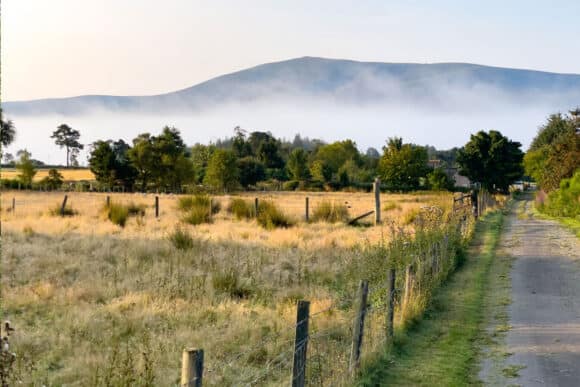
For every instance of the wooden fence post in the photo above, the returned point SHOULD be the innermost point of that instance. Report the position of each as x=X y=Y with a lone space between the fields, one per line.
x=390 y=316
x=62 y=208
x=210 y=206
x=157 y=206
x=307 y=210
x=256 y=204
x=300 y=344
x=377 y=190
x=13 y=205
x=358 y=328
x=409 y=276
x=192 y=367
x=108 y=201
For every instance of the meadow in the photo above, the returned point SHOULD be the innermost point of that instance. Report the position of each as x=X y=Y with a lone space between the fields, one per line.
x=95 y=303
x=68 y=174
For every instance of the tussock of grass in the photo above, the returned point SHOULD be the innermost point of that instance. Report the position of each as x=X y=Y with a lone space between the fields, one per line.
x=331 y=212
x=389 y=206
x=181 y=239
x=198 y=209
x=271 y=217
x=119 y=213
x=241 y=209
x=56 y=210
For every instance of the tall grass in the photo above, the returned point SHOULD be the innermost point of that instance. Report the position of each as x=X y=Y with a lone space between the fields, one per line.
x=271 y=217
x=331 y=212
x=242 y=209
x=198 y=209
x=119 y=213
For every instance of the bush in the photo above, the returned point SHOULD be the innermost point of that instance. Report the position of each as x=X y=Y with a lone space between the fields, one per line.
x=199 y=208
x=565 y=201
x=330 y=212
x=241 y=209
x=181 y=239
x=271 y=217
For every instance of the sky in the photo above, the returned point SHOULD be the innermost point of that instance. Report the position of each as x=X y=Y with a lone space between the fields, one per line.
x=63 y=48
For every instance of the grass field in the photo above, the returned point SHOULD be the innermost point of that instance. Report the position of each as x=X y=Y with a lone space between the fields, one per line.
x=99 y=304
x=67 y=174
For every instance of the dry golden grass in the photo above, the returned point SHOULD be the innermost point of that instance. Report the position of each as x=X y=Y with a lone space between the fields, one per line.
x=95 y=303
x=67 y=174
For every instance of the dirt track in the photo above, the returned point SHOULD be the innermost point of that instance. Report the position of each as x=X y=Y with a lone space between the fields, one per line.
x=542 y=345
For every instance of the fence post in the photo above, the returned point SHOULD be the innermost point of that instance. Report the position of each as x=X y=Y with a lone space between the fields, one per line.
x=13 y=205
x=390 y=316
x=408 y=286
x=62 y=208
x=358 y=328
x=307 y=210
x=377 y=190
x=108 y=201
x=300 y=344
x=210 y=205
x=256 y=203
x=157 y=206
x=192 y=367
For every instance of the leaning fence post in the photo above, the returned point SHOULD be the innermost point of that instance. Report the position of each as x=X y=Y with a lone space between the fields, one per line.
x=307 y=210
x=62 y=208
x=377 y=189
x=192 y=367
x=358 y=327
x=390 y=316
x=300 y=344
x=157 y=206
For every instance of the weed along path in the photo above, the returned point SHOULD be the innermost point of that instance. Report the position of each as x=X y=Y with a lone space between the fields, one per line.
x=540 y=345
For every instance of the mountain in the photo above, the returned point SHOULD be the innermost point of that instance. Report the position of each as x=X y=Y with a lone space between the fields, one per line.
x=441 y=86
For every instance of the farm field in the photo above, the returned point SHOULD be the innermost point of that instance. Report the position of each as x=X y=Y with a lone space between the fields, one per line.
x=67 y=174
x=70 y=284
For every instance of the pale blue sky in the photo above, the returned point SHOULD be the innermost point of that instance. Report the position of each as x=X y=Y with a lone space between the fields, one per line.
x=63 y=48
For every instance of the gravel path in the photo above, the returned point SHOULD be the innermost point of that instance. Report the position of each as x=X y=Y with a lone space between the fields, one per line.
x=544 y=337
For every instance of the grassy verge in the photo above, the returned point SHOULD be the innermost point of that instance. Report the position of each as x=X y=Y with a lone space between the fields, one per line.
x=441 y=349
x=570 y=223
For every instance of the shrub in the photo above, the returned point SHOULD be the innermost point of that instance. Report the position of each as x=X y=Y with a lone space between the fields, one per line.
x=330 y=212
x=199 y=208
x=181 y=239
x=270 y=216
x=241 y=209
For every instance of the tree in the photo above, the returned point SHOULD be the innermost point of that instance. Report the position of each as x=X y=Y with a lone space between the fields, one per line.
x=54 y=179
x=439 y=180
x=174 y=168
x=102 y=162
x=555 y=151
x=492 y=160
x=26 y=168
x=222 y=172
x=144 y=159
x=297 y=165
x=251 y=171
x=402 y=166
x=8 y=158
x=7 y=131
x=200 y=155
x=336 y=154
x=67 y=137
x=320 y=171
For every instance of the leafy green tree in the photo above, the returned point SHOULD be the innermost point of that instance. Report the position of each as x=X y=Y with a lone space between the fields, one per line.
x=402 y=166
x=144 y=159
x=336 y=154
x=438 y=180
x=26 y=167
x=320 y=171
x=7 y=131
x=102 y=162
x=174 y=168
x=67 y=137
x=240 y=146
x=555 y=151
x=491 y=159
x=251 y=171
x=222 y=171
x=200 y=155
x=54 y=179
x=297 y=165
